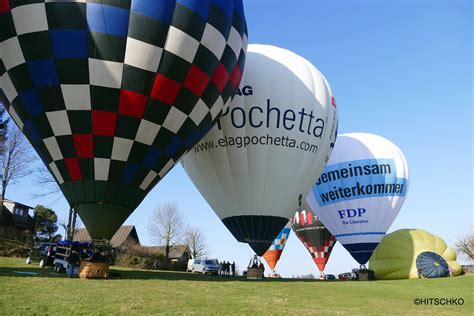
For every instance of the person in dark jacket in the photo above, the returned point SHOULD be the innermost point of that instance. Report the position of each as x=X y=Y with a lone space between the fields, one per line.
x=72 y=261
x=262 y=267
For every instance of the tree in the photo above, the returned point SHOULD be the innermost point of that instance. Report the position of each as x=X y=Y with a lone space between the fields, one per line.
x=16 y=158
x=465 y=246
x=72 y=225
x=49 y=186
x=3 y=125
x=167 y=226
x=196 y=242
x=46 y=183
x=45 y=222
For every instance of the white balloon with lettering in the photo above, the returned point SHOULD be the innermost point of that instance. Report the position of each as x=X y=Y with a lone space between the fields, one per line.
x=269 y=147
x=361 y=191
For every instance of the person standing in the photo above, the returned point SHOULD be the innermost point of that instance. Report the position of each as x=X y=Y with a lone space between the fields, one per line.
x=71 y=262
x=233 y=268
x=262 y=267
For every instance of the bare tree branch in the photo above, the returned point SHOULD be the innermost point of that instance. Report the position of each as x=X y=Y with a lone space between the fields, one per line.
x=166 y=226
x=465 y=246
x=3 y=122
x=16 y=159
x=196 y=242
x=46 y=183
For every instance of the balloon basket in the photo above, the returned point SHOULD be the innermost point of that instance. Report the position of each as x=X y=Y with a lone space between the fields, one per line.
x=366 y=275
x=254 y=274
x=93 y=270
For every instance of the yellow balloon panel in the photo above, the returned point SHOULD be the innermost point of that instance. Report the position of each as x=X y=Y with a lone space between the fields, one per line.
x=395 y=257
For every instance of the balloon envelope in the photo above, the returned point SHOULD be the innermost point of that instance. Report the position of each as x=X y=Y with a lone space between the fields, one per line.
x=273 y=254
x=400 y=253
x=111 y=94
x=314 y=236
x=361 y=191
x=268 y=148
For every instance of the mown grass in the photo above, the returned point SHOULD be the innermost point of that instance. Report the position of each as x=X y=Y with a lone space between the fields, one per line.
x=150 y=292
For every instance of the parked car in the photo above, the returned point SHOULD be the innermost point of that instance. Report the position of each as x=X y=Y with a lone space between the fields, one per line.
x=43 y=253
x=205 y=266
x=329 y=277
x=345 y=276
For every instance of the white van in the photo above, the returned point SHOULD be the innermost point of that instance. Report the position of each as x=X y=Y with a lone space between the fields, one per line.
x=203 y=266
x=190 y=265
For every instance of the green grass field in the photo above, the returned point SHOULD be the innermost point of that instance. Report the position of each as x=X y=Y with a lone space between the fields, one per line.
x=150 y=292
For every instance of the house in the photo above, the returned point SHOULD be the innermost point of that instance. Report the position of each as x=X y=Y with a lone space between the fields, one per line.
x=16 y=215
x=178 y=253
x=15 y=221
x=124 y=236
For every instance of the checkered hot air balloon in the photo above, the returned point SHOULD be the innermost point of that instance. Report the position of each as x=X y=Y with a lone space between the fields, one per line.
x=314 y=236
x=112 y=93
x=273 y=254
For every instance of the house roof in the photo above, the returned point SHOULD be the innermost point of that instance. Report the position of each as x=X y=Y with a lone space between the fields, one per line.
x=9 y=205
x=176 y=252
x=117 y=240
x=9 y=218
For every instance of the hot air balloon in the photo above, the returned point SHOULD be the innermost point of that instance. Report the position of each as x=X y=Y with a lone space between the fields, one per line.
x=269 y=146
x=273 y=254
x=314 y=236
x=411 y=254
x=361 y=191
x=112 y=93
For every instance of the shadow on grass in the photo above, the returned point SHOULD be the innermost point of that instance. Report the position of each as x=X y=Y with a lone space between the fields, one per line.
x=30 y=272
x=126 y=274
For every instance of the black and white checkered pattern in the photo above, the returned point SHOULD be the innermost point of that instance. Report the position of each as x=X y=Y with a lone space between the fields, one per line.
x=112 y=93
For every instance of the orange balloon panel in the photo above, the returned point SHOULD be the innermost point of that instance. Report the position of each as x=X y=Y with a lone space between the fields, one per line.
x=273 y=254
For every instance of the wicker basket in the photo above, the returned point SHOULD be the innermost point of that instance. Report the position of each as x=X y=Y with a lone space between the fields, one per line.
x=254 y=273
x=93 y=270
x=366 y=275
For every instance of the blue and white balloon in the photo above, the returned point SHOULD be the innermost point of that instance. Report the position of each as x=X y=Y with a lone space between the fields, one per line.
x=360 y=192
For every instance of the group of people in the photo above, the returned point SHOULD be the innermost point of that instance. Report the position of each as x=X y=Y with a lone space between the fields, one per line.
x=226 y=268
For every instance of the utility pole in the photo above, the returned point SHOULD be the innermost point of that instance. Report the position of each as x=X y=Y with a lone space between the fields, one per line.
x=73 y=224
x=68 y=226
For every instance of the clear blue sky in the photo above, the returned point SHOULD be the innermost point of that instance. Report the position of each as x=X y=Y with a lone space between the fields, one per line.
x=400 y=69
